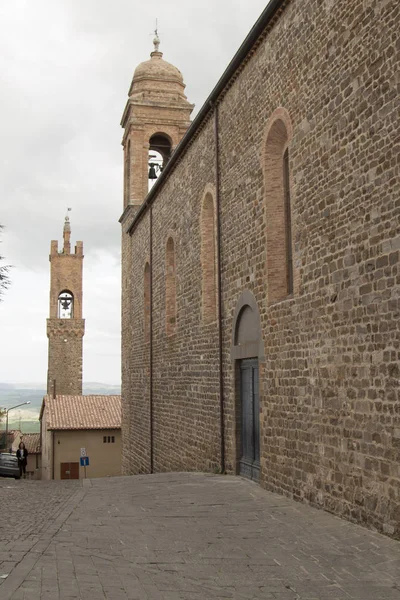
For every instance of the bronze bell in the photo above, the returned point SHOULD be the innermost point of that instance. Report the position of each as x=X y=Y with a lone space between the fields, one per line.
x=152 y=171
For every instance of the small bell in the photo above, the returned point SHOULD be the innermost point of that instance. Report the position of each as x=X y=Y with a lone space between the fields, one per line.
x=65 y=303
x=152 y=171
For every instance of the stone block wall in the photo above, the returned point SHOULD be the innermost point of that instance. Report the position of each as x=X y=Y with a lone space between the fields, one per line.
x=65 y=363
x=65 y=357
x=329 y=379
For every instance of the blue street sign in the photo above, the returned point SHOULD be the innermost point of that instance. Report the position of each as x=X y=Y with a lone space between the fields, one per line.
x=84 y=461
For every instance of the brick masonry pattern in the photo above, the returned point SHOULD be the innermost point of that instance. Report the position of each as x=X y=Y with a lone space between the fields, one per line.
x=329 y=384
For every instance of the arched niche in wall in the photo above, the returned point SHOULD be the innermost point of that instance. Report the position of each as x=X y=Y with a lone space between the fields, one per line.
x=208 y=258
x=170 y=287
x=277 y=138
x=146 y=301
x=247 y=339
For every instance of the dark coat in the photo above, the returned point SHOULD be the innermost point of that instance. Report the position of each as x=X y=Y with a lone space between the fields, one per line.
x=22 y=454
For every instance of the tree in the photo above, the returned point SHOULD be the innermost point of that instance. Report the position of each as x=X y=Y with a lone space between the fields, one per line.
x=4 y=274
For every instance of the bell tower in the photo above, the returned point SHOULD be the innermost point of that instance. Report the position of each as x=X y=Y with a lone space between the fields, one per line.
x=156 y=116
x=65 y=327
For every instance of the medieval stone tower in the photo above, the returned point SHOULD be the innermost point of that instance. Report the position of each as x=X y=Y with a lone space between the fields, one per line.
x=155 y=118
x=65 y=327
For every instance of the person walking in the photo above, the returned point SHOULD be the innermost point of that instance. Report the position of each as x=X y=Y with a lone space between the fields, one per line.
x=22 y=455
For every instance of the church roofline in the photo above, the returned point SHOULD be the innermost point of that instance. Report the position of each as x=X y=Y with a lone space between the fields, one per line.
x=244 y=50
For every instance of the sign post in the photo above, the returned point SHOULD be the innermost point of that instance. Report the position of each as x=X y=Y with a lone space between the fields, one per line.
x=84 y=460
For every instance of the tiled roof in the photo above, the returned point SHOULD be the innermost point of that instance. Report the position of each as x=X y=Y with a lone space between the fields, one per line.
x=82 y=412
x=13 y=436
x=32 y=442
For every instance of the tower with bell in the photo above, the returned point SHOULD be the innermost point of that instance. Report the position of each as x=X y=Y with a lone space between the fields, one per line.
x=156 y=116
x=65 y=326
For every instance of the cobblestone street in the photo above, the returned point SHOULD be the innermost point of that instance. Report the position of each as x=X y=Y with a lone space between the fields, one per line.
x=183 y=537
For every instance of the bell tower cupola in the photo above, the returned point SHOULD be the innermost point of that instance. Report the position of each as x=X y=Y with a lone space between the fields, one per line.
x=65 y=326
x=156 y=116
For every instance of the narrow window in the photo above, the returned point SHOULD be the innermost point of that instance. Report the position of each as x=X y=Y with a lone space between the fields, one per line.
x=278 y=214
x=112 y=439
x=104 y=439
x=170 y=289
x=146 y=315
x=208 y=260
x=108 y=439
x=288 y=218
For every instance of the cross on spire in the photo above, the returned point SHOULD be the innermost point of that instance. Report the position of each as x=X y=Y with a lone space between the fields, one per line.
x=156 y=40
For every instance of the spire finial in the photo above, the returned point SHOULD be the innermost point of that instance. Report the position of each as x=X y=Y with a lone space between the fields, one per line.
x=66 y=216
x=67 y=233
x=156 y=40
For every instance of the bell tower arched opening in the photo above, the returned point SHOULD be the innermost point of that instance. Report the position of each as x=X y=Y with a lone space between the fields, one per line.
x=65 y=305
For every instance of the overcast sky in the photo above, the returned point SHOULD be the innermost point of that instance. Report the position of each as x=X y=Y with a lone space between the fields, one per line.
x=65 y=71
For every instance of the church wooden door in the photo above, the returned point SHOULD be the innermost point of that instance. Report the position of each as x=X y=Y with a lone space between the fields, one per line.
x=249 y=465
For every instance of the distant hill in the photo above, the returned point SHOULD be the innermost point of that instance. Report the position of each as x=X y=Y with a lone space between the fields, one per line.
x=26 y=417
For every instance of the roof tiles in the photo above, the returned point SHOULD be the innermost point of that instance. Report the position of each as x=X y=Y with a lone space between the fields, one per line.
x=32 y=442
x=83 y=412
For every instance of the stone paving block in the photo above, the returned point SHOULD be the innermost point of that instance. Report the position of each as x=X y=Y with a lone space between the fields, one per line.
x=190 y=536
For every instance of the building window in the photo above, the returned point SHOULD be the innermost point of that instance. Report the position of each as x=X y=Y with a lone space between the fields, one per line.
x=170 y=288
x=112 y=439
x=146 y=315
x=208 y=260
x=108 y=439
x=288 y=222
x=278 y=213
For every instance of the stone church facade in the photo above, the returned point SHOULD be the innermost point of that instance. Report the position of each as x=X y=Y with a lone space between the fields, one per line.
x=260 y=274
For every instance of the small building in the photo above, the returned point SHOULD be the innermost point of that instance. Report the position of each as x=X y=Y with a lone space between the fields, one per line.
x=12 y=442
x=76 y=425
x=32 y=444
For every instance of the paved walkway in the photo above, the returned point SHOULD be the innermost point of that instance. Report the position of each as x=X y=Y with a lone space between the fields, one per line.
x=195 y=537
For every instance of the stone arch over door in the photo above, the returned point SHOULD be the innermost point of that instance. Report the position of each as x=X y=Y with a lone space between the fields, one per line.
x=247 y=351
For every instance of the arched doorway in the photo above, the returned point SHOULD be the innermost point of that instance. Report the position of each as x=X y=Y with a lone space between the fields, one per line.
x=247 y=350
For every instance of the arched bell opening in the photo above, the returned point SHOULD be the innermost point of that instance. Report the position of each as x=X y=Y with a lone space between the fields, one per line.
x=160 y=149
x=65 y=305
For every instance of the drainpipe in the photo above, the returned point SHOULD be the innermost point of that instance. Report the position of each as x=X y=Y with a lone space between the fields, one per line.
x=218 y=210
x=52 y=454
x=151 y=340
x=53 y=450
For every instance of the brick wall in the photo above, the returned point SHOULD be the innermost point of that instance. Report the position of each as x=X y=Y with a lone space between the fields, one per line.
x=329 y=383
x=65 y=360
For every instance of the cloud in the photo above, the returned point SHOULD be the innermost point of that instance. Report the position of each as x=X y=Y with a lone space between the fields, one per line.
x=65 y=71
